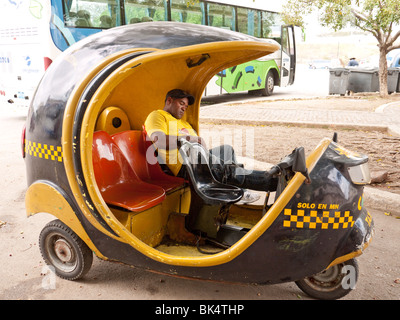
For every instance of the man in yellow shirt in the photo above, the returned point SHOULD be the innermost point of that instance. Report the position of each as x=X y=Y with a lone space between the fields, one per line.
x=165 y=126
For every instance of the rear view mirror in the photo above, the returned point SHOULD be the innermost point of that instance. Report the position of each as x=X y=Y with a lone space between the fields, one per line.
x=299 y=163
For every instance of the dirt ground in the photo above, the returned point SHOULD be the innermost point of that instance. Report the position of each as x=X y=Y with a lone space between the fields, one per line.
x=25 y=277
x=274 y=142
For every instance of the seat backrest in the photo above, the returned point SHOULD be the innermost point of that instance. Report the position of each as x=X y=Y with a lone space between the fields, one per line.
x=109 y=163
x=140 y=153
x=132 y=146
x=154 y=167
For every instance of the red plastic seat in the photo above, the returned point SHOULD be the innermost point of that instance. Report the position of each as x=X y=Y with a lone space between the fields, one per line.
x=118 y=183
x=140 y=155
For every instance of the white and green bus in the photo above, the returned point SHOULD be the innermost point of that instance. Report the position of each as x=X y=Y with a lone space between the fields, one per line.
x=34 y=32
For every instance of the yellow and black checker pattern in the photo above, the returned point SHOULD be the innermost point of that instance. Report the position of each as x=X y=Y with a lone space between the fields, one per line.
x=317 y=220
x=44 y=151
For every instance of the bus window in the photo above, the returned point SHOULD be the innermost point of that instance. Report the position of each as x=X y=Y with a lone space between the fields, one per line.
x=249 y=22
x=221 y=16
x=270 y=28
x=183 y=11
x=90 y=14
x=254 y=23
x=242 y=20
x=145 y=11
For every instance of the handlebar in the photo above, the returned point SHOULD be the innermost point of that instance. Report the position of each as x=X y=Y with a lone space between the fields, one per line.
x=274 y=170
x=295 y=161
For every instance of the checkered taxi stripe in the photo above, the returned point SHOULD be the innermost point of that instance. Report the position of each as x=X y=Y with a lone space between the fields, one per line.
x=315 y=220
x=43 y=151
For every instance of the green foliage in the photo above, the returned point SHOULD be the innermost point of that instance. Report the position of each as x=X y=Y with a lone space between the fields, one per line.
x=335 y=14
x=374 y=16
x=294 y=11
x=191 y=2
x=378 y=17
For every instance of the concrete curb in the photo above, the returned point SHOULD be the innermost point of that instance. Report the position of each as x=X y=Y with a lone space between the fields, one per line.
x=394 y=130
x=305 y=124
x=382 y=200
x=391 y=129
x=381 y=108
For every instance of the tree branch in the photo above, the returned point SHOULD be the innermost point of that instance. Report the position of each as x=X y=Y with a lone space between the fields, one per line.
x=392 y=40
x=362 y=17
x=359 y=15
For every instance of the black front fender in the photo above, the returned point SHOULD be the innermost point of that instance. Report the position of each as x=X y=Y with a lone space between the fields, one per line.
x=359 y=237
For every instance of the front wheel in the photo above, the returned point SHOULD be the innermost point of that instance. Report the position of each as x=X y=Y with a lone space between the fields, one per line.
x=332 y=283
x=269 y=84
x=62 y=249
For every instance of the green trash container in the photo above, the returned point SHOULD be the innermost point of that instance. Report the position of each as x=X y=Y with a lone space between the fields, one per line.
x=393 y=80
x=363 y=80
x=338 y=80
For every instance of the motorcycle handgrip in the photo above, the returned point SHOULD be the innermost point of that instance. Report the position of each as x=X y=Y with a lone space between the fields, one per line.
x=274 y=171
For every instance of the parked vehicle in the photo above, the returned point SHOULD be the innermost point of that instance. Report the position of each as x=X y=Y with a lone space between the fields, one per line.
x=319 y=64
x=88 y=164
x=393 y=58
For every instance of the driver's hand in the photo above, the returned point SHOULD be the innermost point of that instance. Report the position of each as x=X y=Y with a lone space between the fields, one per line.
x=196 y=139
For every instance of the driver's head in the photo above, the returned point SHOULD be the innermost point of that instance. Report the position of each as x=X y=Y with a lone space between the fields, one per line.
x=177 y=101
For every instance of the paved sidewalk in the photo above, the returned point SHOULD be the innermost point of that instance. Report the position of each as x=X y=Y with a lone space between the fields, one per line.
x=385 y=118
x=392 y=113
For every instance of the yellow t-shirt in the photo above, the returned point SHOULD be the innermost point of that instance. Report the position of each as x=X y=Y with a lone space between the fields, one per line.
x=160 y=120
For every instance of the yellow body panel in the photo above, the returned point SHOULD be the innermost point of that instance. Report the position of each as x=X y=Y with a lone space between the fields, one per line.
x=150 y=226
x=41 y=197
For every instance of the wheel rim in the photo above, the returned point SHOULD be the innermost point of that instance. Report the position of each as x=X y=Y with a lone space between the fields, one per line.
x=61 y=253
x=327 y=280
x=270 y=83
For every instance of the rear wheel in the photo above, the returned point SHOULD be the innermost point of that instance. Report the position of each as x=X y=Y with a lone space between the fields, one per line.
x=62 y=249
x=332 y=283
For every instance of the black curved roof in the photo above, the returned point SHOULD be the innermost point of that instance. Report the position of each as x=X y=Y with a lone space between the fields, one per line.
x=62 y=75
x=160 y=35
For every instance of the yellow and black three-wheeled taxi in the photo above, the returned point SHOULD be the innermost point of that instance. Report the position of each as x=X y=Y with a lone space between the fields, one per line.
x=90 y=165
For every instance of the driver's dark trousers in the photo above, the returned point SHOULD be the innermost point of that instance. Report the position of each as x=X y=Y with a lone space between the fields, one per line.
x=225 y=169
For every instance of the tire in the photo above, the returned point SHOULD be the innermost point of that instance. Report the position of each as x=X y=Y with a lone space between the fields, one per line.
x=62 y=249
x=332 y=283
x=269 y=84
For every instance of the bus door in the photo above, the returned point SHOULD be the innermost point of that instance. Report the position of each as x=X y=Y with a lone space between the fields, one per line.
x=288 y=55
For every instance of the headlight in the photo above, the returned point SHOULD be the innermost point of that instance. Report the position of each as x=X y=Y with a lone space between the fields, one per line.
x=360 y=174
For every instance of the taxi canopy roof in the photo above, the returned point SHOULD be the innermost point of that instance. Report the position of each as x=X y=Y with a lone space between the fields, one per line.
x=191 y=55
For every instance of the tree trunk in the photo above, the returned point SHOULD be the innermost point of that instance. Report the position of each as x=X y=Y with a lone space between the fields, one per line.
x=383 y=72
